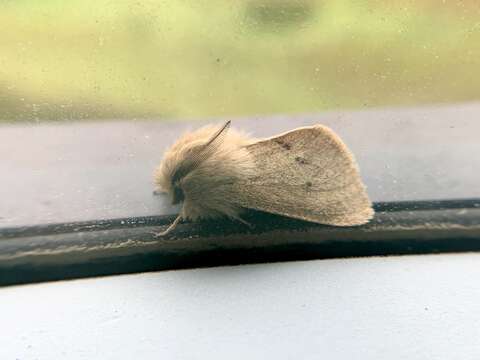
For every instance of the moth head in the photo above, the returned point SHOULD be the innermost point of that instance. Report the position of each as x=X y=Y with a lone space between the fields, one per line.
x=184 y=156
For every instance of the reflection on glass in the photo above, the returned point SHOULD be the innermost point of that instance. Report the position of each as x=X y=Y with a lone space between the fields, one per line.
x=86 y=59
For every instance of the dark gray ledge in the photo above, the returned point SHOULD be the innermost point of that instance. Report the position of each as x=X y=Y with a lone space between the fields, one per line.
x=120 y=246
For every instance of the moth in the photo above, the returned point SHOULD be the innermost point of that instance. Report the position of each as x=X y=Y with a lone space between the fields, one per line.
x=307 y=173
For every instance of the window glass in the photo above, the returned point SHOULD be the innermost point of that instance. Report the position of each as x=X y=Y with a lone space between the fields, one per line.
x=92 y=59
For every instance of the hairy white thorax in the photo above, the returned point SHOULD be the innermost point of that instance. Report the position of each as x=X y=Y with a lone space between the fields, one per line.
x=206 y=187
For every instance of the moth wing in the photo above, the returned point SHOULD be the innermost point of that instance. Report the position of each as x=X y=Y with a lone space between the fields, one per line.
x=308 y=174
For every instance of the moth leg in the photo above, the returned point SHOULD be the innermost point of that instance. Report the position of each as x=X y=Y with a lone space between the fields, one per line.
x=238 y=218
x=172 y=226
x=158 y=192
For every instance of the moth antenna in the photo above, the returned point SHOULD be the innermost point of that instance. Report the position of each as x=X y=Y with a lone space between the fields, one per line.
x=219 y=132
x=206 y=150
x=172 y=226
x=209 y=148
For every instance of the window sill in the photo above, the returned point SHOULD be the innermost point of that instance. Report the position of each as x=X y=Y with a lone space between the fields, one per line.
x=415 y=162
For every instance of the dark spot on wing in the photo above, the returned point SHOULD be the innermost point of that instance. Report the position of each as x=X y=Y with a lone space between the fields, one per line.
x=308 y=185
x=283 y=144
x=301 y=160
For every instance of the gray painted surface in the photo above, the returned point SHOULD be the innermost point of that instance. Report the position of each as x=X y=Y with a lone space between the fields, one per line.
x=416 y=307
x=54 y=173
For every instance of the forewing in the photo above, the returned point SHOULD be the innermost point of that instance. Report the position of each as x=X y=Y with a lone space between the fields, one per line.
x=308 y=174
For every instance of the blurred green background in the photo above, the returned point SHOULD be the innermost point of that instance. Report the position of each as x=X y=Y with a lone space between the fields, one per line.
x=90 y=59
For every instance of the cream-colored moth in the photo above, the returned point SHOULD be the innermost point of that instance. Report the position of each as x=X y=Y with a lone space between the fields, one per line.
x=307 y=173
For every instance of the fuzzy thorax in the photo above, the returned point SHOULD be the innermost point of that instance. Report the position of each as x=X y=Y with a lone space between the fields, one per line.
x=200 y=173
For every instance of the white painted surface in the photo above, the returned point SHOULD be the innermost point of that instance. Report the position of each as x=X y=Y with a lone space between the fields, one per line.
x=419 y=307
